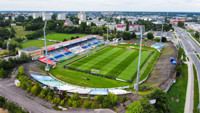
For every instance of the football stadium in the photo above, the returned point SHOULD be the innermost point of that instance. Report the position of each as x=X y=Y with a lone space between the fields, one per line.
x=84 y=64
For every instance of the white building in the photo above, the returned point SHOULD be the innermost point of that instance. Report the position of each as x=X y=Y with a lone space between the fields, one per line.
x=82 y=16
x=6 y=18
x=61 y=16
x=46 y=16
x=132 y=27
x=36 y=15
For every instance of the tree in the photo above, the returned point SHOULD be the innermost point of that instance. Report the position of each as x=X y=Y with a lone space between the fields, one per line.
x=21 y=70
x=135 y=107
x=180 y=24
x=141 y=106
x=150 y=35
x=133 y=35
x=110 y=101
x=164 y=39
x=62 y=102
x=56 y=101
x=35 y=90
x=197 y=34
x=2 y=73
x=87 y=104
x=126 y=35
x=54 y=17
x=162 y=104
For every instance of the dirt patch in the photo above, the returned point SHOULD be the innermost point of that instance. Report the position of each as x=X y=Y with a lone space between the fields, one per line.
x=163 y=70
x=36 y=68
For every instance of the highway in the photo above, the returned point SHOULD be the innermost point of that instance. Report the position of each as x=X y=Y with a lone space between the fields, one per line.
x=190 y=47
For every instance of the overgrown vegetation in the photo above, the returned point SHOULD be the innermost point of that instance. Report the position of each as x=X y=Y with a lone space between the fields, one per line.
x=144 y=106
x=7 y=66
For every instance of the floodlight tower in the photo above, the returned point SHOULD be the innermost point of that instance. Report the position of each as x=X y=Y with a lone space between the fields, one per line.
x=161 y=32
x=107 y=41
x=142 y=27
x=45 y=41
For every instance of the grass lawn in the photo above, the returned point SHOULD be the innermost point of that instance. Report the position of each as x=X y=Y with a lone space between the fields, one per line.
x=113 y=62
x=20 y=32
x=197 y=39
x=61 y=37
x=196 y=90
x=178 y=90
x=35 y=43
x=75 y=77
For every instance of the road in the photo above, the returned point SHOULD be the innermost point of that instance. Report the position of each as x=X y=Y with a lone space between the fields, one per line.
x=34 y=104
x=190 y=46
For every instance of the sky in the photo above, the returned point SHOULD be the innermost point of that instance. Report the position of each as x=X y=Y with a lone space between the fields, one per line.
x=101 y=5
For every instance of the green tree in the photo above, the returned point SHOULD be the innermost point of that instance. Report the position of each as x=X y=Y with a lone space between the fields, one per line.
x=87 y=104
x=180 y=24
x=2 y=73
x=126 y=35
x=162 y=104
x=150 y=35
x=110 y=101
x=197 y=34
x=135 y=107
x=56 y=101
x=62 y=102
x=21 y=70
x=35 y=90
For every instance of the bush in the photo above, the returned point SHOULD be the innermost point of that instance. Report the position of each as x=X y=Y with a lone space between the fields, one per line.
x=157 y=39
x=62 y=102
x=74 y=104
x=89 y=97
x=69 y=102
x=35 y=90
x=76 y=96
x=94 y=105
x=99 y=98
x=87 y=104
x=56 y=101
x=110 y=101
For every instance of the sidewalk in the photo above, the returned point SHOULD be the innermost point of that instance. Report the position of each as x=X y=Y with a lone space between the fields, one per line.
x=190 y=89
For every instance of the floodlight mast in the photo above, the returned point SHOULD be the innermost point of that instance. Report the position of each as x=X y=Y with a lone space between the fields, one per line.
x=138 y=71
x=161 y=32
x=45 y=41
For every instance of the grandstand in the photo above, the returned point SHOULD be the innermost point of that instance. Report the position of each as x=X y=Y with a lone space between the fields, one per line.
x=68 y=49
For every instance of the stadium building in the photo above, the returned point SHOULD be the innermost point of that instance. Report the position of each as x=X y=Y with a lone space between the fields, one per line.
x=65 y=50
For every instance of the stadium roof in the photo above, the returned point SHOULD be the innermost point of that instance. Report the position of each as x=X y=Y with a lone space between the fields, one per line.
x=29 y=49
x=55 y=46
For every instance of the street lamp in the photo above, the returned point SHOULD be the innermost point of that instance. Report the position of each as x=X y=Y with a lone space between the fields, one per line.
x=142 y=29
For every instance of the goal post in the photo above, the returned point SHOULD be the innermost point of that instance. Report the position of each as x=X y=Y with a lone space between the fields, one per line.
x=95 y=71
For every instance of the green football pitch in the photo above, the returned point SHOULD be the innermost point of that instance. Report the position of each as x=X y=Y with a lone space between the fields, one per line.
x=113 y=62
x=61 y=37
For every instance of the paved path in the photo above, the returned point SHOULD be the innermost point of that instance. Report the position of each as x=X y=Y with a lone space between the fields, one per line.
x=34 y=104
x=190 y=89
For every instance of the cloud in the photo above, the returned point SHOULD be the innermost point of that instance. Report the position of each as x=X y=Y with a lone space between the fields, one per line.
x=101 y=5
